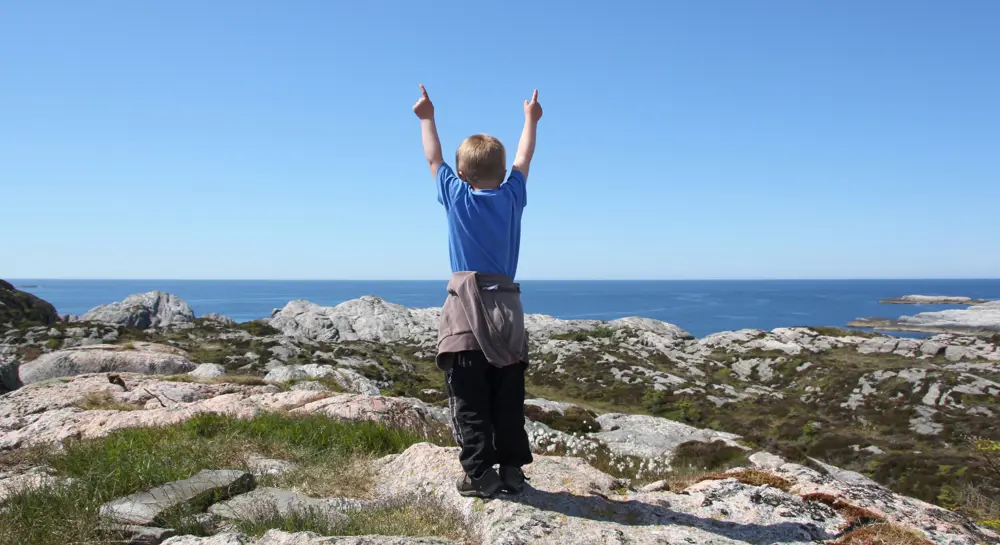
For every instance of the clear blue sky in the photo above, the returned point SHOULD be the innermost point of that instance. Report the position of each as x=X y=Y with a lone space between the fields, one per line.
x=715 y=139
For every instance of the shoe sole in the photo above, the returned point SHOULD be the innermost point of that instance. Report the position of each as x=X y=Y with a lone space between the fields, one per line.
x=475 y=494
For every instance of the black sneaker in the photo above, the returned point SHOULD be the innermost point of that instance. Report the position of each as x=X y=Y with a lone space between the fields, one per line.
x=513 y=479
x=483 y=487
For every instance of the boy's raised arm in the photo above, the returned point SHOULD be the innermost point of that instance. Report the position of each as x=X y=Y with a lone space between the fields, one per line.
x=526 y=146
x=428 y=131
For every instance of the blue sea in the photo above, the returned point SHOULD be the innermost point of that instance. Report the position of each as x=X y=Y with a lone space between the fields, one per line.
x=701 y=307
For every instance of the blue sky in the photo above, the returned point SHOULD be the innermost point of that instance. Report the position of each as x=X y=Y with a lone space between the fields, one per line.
x=225 y=139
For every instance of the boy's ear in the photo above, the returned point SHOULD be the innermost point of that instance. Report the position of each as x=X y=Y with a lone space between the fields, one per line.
x=461 y=176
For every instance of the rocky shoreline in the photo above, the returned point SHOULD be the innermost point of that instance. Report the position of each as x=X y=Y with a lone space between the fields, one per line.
x=620 y=409
x=981 y=318
x=932 y=300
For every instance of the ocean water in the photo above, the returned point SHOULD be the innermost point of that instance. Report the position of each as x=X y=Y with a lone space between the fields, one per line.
x=701 y=307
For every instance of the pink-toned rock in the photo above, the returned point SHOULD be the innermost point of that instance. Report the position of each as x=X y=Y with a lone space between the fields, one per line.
x=401 y=412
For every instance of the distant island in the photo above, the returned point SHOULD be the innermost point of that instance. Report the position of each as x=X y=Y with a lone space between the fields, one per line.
x=978 y=319
x=932 y=300
x=28 y=286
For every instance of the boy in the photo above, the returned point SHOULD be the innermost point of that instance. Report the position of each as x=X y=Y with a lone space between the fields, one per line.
x=482 y=344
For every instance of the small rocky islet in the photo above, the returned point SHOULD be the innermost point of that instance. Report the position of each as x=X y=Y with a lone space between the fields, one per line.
x=643 y=433
x=982 y=317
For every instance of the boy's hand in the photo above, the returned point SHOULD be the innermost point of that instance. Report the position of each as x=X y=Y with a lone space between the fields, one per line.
x=425 y=109
x=532 y=109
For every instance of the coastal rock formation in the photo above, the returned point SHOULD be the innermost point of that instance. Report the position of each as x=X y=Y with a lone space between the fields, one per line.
x=568 y=500
x=983 y=318
x=139 y=357
x=854 y=406
x=366 y=319
x=373 y=319
x=143 y=310
x=17 y=306
x=932 y=300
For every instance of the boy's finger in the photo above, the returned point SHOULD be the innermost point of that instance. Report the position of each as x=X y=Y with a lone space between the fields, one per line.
x=534 y=97
x=423 y=91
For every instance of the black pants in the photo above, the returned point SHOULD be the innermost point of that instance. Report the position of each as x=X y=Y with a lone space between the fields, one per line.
x=487 y=411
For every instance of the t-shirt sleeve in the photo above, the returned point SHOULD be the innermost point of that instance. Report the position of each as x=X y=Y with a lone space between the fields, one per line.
x=448 y=185
x=518 y=187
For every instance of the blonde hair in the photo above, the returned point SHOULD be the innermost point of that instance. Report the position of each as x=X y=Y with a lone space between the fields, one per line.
x=482 y=158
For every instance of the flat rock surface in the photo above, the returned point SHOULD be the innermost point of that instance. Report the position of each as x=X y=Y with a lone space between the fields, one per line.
x=652 y=437
x=277 y=537
x=262 y=503
x=139 y=357
x=148 y=507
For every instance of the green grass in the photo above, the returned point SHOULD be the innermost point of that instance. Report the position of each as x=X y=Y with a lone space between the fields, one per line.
x=839 y=332
x=416 y=518
x=137 y=459
x=583 y=335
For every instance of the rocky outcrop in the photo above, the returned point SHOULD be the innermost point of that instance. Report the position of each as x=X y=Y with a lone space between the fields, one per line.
x=932 y=300
x=651 y=437
x=139 y=357
x=571 y=502
x=365 y=319
x=372 y=319
x=143 y=310
x=979 y=319
x=19 y=307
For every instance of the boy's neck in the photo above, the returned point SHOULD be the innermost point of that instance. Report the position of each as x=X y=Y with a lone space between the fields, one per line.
x=479 y=186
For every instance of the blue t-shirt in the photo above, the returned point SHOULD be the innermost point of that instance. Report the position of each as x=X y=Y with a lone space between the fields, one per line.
x=484 y=225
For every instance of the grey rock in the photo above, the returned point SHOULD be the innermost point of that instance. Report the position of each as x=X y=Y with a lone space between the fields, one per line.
x=651 y=436
x=264 y=503
x=348 y=379
x=208 y=371
x=225 y=538
x=656 y=486
x=843 y=475
x=365 y=319
x=277 y=537
x=285 y=373
x=9 y=365
x=214 y=317
x=958 y=353
x=309 y=386
x=373 y=319
x=766 y=460
x=571 y=502
x=145 y=535
x=932 y=300
x=984 y=318
x=143 y=310
x=260 y=466
x=282 y=353
x=148 y=508
x=139 y=357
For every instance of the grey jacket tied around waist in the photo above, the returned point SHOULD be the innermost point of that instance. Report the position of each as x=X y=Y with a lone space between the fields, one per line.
x=483 y=312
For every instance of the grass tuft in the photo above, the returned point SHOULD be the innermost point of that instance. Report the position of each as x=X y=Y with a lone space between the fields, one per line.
x=414 y=518
x=752 y=477
x=882 y=534
x=104 y=401
x=854 y=515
